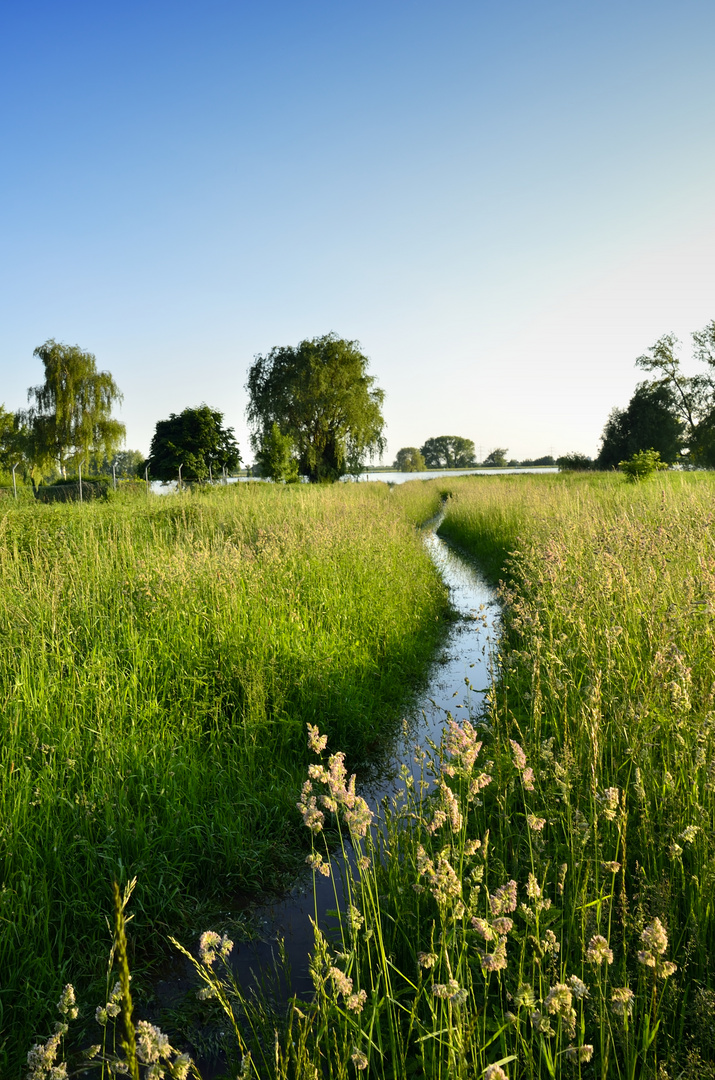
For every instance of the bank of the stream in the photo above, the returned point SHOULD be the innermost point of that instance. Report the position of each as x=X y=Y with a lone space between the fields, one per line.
x=159 y=661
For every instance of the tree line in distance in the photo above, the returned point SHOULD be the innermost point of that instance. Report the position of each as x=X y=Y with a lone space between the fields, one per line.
x=315 y=411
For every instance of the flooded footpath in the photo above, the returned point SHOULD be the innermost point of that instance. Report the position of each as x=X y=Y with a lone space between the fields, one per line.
x=457 y=683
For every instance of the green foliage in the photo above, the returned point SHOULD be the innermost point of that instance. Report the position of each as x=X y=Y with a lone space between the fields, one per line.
x=275 y=458
x=12 y=440
x=651 y=421
x=448 y=452
x=71 y=412
x=320 y=395
x=497 y=458
x=547 y=459
x=197 y=441
x=574 y=462
x=642 y=465
x=127 y=464
x=410 y=459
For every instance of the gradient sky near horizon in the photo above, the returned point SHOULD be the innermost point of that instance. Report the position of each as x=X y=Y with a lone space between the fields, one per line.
x=505 y=203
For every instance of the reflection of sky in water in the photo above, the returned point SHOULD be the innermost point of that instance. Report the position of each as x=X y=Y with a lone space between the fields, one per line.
x=390 y=477
x=394 y=477
x=459 y=676
x=456 y=684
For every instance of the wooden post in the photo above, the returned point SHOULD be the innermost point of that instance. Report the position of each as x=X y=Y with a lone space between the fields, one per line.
x=180 y=468
x=80 y=482
x=14 y=482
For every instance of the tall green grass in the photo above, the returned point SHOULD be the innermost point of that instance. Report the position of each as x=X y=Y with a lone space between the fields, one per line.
x=548 y=911
x=607 y=679
x=159 y=660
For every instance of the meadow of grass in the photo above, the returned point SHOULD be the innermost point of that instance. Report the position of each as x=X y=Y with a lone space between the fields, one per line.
x=159 y=660
x=547 y=910
x=607 y=681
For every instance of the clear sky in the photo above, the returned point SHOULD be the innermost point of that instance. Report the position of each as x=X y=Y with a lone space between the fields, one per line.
x=504 y=202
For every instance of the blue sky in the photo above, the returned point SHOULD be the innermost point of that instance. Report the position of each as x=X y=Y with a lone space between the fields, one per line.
x=505 y=203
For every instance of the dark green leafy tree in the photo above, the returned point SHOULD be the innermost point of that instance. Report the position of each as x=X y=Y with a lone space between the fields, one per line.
x=689 y=394
x=547 y=459
x=70 y=414
x=320 y=395
x=196 y=440
x=276 y=459
x=448 y=452
x=410 y=459
x=693 y=396
x=574 y=462
x=497 y=458
x=652 y=421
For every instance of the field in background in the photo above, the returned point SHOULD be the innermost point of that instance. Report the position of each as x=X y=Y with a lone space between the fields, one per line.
x=159 y=661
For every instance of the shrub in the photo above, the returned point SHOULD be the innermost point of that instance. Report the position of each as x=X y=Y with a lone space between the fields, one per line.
x=642 y=465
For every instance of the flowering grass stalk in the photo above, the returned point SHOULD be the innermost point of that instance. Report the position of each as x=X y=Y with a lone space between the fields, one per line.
x=146 y=1053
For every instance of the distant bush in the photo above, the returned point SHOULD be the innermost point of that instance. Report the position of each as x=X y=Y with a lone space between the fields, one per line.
x=574 y=462
x=533 y=462
x=410 y=459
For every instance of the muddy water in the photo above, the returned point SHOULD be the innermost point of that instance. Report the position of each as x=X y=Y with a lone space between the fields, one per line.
x=457 y=683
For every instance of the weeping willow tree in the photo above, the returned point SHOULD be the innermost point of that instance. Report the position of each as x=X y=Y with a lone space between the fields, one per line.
x=320 y=395
x=70 y=414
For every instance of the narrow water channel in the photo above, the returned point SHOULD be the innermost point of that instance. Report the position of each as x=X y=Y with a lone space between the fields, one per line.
x=457 y=683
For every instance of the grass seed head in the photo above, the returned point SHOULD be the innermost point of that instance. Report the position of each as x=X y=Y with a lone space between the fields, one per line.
x=578 y=988
x=519 y=756
x=212 y=945
x=343 y=983
x=622 y=1001
x=598 y=950
x=494 y=1072
x=427 y=960
x=67 y=1005
x=356 y=1002
x=580 y=1054
x=358 y=1059
x=503 y=901
x=316 y=741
